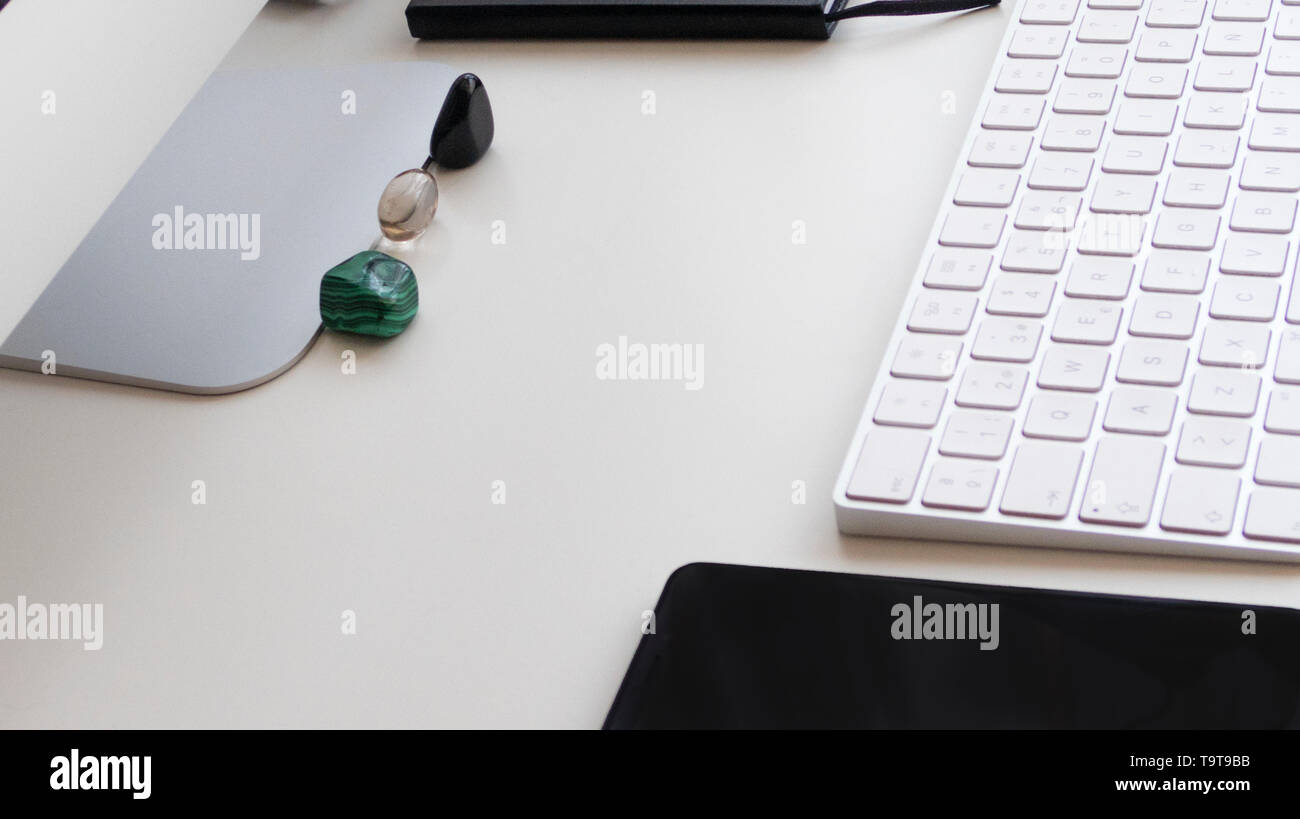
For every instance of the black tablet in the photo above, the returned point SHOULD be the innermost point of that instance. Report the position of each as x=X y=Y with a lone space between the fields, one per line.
x=745 y=647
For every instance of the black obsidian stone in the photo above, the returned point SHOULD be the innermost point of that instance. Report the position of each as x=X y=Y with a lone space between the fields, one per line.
x=464 y=128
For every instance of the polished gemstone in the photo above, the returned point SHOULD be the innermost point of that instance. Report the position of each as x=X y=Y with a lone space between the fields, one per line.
x=371 y=293
x=464 y=128
x=407 y=205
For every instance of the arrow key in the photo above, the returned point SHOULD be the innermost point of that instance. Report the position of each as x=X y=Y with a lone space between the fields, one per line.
x=1213 y=442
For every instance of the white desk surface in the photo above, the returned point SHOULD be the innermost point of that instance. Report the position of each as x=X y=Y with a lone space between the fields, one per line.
x=373 y=492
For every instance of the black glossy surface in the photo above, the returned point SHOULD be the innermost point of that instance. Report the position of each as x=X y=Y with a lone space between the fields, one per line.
x=690 y=19
x=464 y=128
x=744 y=647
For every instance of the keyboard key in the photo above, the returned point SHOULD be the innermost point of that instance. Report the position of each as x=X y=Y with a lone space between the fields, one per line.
x=1244 y=297
x=1283 y=59
x=1098 y=277
x=1060 y=172
x=1135 y=154
x=1175 y=271
x=910 y=404
x=1288 y=25
x=889 y=465
x=972 y=227
x=1101 y=62
x=1014 y=112
x=1121 y=487
x=1176 y=13
x=1048 y=210
x=1062 y=416
x=1073 y=367
x=1213 y=442
x=1035 y=252
x=1287 y=370
x=929 y=357
x=1146 y=118
x=1123 y=193
x=1025 y=77
x=976 y=435
x=958 y=269
x=1283 y=414
x=1279 y=461
x=1254 y=255
x=1049 y=12
x=991 y=386
x=1076 y=96
x=1197 y=188
x=1271 y=171
x=1273 y=514
x=1106 y=27
x=1293 y=306
x=1163 y=82
x=1224 y=392
x=1021 y=294
x=1157 y=363
x=1140 y=411
x=1234 y=39
x=1164 y=316
x=1200 y=501
x=1246 y=11
x=1007 y=339
x=1164 y=46
x=1000 y=149
x=960 y=484
x=1234 y=344
x=1263 y=212
x=1275 y=132
x=983 y=187
x=1185 y=229
x=942 y=311
x=1225 y=74
x=1280 y=94
x=1207 y=149
x=1086 y=321
x=1038 y=42
x=1105 y=234
x=1041 y=480
x=1073 y=133
x=1209 y=109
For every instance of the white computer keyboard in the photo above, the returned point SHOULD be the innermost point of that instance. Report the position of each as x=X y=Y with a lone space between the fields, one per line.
x=1101 y=347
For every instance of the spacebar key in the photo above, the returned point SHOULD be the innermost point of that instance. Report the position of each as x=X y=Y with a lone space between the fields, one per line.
x=889 y=465
x=1041 y=481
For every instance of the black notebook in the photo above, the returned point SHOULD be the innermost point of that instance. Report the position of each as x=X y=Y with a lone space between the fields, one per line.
x=711 y=19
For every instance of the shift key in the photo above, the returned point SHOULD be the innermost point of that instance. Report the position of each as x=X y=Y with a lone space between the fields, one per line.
x=1122 y=485
x=1041 y=481
x=889 y=465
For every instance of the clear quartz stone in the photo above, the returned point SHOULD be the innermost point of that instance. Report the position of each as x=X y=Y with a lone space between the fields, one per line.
x=408 y=204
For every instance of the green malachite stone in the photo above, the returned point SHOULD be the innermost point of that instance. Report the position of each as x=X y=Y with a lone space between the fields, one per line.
x=372 y=293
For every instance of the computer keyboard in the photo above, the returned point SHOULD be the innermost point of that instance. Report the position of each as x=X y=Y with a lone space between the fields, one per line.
x=1101 y=347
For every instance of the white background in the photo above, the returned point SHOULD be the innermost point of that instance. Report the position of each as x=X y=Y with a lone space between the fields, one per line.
x=372 y=492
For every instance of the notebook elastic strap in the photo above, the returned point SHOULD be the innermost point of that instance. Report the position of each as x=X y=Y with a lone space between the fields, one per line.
x=902 y=8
